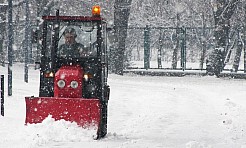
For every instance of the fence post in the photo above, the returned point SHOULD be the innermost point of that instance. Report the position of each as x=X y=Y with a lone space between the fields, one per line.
x=244 y=53
x=159 y=51
x=2 y=95
x=10 y=46
x=26 y=41
x=147 y=47
x=203 y=43
x=183 y=48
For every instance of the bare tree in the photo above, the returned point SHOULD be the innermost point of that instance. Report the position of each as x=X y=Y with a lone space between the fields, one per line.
x=223 y=11
x=121 y=15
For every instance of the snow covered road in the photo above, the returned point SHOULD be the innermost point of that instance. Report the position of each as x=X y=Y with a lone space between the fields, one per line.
x=144 y=112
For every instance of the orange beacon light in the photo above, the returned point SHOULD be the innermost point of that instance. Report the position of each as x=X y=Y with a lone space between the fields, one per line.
x=96 y=10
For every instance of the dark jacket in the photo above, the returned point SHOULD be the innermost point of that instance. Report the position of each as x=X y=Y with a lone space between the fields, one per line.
x=72 y=51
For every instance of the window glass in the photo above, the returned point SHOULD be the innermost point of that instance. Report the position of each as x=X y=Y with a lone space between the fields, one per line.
x=76 y=39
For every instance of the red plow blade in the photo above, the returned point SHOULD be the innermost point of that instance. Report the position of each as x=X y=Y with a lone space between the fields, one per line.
x=85 y=112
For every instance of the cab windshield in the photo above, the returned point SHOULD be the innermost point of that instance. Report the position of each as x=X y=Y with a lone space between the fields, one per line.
x=76 y=39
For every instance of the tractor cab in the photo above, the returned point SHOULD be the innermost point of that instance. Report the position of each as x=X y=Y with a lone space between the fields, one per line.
x=88 y=50
x=73 y=72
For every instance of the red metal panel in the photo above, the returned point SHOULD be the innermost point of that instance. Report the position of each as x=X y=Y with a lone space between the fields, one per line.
x=73 y=18
x=80 y=110
x=69 y=74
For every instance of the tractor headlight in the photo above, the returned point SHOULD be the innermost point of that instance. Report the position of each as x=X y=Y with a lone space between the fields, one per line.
x=48 y=74
x=87 y=76
x=61 y=83
x=74 y=84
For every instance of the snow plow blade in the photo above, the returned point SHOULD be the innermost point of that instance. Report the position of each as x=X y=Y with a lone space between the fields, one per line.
x=85 y=112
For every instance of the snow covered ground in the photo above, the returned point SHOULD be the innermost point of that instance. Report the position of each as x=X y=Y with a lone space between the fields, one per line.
x=144 y=112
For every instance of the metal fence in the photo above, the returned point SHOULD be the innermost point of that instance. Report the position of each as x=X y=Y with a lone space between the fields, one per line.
x=155 y=47
x=2 y=95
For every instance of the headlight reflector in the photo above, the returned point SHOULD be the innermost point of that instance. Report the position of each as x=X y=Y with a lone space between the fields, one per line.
x=61 y=83
x=74 y=84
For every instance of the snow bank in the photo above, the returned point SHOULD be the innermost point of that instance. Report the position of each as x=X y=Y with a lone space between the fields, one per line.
x=36 y=135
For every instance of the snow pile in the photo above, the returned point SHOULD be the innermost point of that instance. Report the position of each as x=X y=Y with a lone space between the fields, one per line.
x=59 y=131
x=36 y=135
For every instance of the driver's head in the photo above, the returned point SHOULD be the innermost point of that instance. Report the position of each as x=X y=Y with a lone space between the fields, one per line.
x=70 y=35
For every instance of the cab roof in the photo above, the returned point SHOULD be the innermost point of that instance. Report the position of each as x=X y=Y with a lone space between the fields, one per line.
x=73 y=18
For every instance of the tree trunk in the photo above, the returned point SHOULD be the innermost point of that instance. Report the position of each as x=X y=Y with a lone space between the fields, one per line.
x=203 y=43
x=121 y=15
x=175 y=51
x=43 y=8
x=238 y=53
x=3 y=9
x=175 y=54
x=222 y=13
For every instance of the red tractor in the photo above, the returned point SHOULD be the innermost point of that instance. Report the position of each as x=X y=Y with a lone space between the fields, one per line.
x=73 y=72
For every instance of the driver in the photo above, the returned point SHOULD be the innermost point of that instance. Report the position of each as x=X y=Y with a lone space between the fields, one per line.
x=71 y=48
